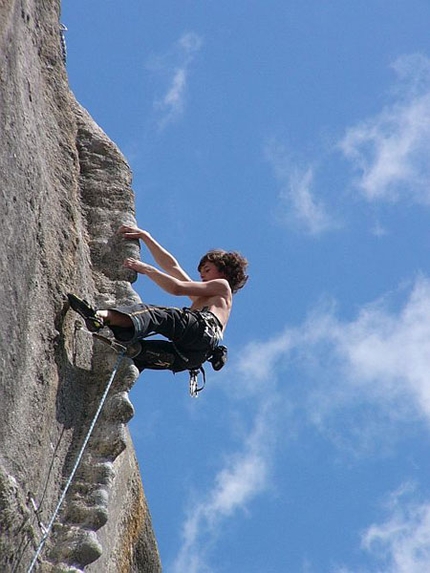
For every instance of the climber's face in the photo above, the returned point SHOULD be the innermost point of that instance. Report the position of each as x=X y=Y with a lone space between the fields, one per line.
x=209 y=272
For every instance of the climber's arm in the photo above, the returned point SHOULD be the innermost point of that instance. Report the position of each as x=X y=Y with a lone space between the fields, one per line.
x=177 y=287
x=161 y=256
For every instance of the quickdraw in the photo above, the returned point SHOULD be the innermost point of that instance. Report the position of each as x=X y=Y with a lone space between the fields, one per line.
x=194 y=384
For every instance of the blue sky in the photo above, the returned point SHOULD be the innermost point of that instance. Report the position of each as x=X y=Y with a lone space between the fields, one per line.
x=297 y=132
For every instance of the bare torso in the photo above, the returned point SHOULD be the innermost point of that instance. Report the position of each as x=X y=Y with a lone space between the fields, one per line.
x=218 y=305
x=176 y=281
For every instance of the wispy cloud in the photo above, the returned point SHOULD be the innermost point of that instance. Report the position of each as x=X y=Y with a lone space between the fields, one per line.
x=375 y=366
x=385 y=355
x=244 y=475
x=175 y=67
x=388 y=153
x=390 y=150
x=402 y=542
x=300 y=207
x=361 y=382
x=380 y=360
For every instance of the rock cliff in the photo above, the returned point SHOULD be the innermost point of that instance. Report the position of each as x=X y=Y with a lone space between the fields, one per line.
x=64 y=190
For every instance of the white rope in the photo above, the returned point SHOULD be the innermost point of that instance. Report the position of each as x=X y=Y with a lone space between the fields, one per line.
x=78 y=460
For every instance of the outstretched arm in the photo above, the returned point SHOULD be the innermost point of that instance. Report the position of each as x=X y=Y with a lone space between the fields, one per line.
x=178 y=287
x=161 y=256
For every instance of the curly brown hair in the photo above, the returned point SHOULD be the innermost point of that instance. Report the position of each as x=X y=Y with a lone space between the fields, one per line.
x=231 y=263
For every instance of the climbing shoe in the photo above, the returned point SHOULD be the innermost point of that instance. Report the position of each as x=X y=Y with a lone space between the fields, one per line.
x=93 y=322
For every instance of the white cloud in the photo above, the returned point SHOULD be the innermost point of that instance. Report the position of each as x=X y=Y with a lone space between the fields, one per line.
x=380 y=360
x=300 y=207
x=173 y=101
x=379 y=230
x=402 y=542
x=257 y=363
x=245 y=475
x=305 y=208
x=175 y=65
x=390 y=151
x=386 y=354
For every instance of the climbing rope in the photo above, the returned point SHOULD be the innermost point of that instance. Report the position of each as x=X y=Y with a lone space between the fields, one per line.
x=78 y=460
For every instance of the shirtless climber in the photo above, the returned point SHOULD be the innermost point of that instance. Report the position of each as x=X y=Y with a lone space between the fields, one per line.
x=193 y=333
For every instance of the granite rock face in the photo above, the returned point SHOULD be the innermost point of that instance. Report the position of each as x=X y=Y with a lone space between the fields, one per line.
x=64 y=190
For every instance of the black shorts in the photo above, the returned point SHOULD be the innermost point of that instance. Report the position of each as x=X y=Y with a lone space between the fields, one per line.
x=192 y=336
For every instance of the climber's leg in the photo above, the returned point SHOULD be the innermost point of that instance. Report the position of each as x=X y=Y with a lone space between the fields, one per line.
x=89 y=314
x=114 y=318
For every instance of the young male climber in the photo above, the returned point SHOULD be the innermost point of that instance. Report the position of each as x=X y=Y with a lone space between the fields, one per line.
x=193 y=333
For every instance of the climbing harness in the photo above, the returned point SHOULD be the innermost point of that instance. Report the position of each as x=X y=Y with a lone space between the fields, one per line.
x=48 y=528
x=217 y=360
x=194 y=373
